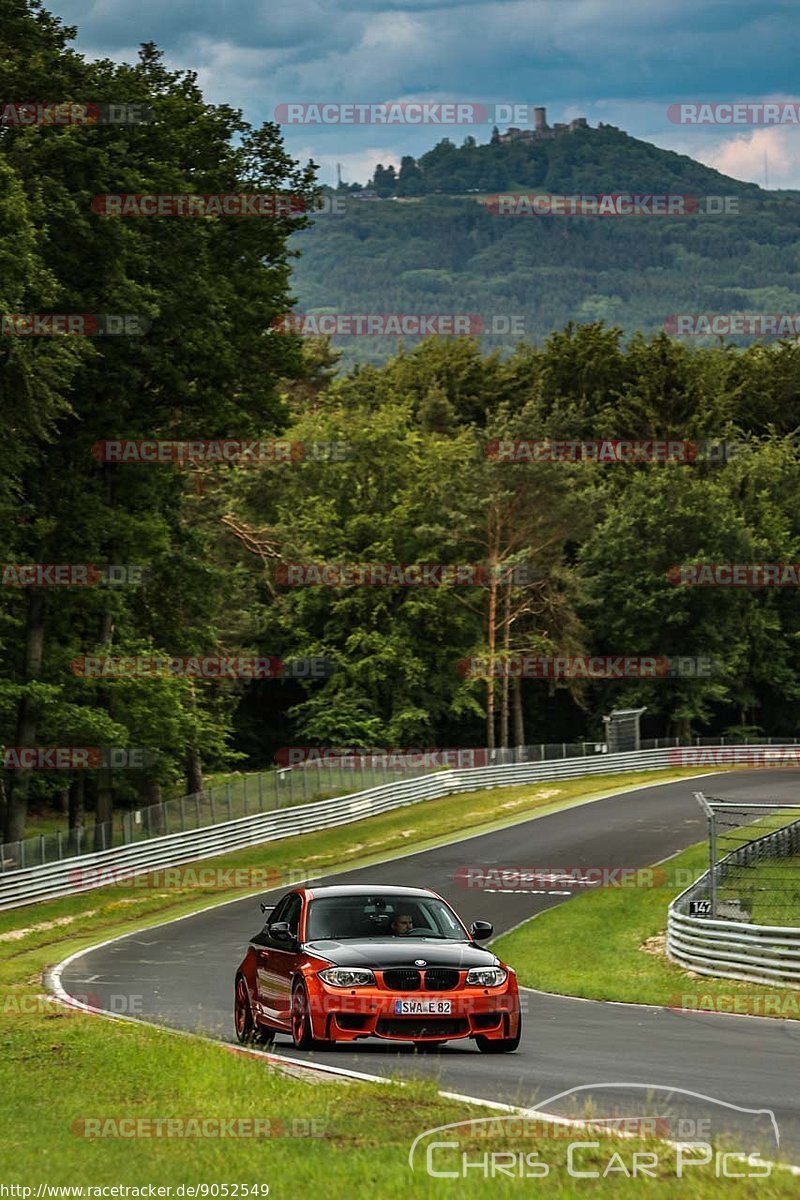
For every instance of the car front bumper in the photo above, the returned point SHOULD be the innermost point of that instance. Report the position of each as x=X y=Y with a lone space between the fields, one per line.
x=345 y=1014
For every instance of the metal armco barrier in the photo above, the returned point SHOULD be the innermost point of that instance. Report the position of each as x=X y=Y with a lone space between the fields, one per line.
x=731 y=949
x=68 y=877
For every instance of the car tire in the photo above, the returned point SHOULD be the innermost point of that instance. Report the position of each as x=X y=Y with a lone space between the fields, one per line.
x=302 y=1034
x=499 y=1045
x=243 y=1013
x=247 y=1032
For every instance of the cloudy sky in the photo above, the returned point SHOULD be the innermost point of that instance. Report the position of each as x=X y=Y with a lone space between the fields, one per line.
x=621 y=61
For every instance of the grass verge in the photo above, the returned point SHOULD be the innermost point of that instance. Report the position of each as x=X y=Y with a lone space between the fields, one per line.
x=616 y=937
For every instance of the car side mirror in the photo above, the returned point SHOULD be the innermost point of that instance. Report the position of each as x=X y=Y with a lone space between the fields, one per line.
x=481 y=930
x=281 y=930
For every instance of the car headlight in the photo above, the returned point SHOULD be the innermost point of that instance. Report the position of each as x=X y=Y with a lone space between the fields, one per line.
x=486 y=976
x=348 y=976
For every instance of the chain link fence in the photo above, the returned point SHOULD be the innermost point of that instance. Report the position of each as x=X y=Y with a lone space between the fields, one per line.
x=247 y=794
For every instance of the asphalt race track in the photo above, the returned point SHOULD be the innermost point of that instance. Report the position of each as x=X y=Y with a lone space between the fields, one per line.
x=184 y=971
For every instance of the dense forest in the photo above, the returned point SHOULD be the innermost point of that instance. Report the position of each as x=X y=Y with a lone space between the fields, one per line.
x=418 y=481
x=430 y=245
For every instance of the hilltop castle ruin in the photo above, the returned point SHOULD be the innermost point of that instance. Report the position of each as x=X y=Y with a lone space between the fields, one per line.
x=541 y=130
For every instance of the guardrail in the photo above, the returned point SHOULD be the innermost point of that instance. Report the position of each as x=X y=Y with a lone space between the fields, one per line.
x=79 y=874
x=735 y=949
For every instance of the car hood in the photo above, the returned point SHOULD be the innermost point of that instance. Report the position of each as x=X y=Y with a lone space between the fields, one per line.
x=402 y=952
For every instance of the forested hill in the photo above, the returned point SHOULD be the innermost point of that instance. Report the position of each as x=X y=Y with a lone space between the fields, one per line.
x=445 y=250
x=581 y=160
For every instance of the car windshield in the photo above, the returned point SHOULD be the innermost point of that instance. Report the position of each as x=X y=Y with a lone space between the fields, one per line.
x=383 y=915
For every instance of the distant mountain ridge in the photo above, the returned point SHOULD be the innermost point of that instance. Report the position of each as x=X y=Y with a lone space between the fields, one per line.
x=435 y=240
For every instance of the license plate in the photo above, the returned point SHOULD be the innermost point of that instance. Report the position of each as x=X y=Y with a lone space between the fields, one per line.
x=422 y=1008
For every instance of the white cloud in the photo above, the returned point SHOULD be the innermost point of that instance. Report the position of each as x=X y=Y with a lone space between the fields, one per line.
x=743 y=157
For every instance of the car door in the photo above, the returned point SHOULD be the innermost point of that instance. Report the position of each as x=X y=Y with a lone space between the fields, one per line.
x=276 y=961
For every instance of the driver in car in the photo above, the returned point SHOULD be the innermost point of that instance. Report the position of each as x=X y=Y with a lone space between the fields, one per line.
x=401 y=924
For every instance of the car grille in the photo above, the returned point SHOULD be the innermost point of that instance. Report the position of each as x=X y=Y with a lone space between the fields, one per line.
x=407 y=979
x=402 y=979
x=441 y=979
x=435 y=1027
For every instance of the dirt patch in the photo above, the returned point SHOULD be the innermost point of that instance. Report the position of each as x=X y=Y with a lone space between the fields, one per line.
x=656 y=945
x=14 y=935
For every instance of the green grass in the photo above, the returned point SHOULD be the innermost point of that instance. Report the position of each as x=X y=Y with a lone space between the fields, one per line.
x=58 y=1070
x=616 y=940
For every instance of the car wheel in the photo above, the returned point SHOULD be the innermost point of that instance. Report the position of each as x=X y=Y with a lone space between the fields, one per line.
x=247 y=1033
x=242 y=1013
x=302 y=1035
x=499 y=1045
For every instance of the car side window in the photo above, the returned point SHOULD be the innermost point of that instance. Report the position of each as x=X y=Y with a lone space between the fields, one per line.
x=291 y=914
x=278 y=913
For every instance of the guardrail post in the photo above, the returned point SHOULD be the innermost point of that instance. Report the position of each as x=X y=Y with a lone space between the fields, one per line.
x=21 y=853
x=41 y=846
x=305 y=783
x=712 y=854
x=213 y=807
x=244 y=796
x=183 y=815
x=261 y=791
x=59 y=844
x=197 y=809
x=229 y=797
